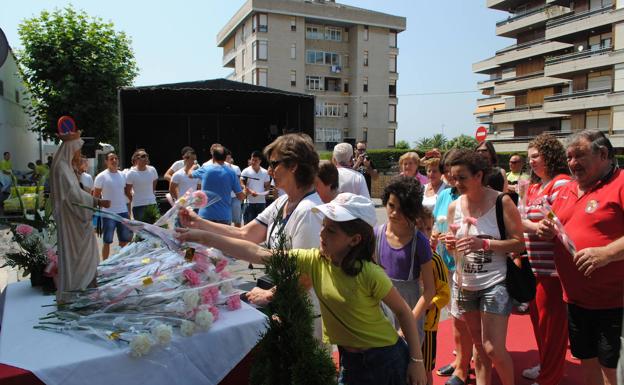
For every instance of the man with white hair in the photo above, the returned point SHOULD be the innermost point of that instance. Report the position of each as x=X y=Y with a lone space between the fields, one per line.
x=349 y=179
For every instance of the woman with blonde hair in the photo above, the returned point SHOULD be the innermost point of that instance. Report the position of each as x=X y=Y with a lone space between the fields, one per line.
x=408 y=164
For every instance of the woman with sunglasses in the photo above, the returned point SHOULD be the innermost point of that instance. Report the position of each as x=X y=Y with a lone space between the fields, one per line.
x=294 y=163
x=497 y=178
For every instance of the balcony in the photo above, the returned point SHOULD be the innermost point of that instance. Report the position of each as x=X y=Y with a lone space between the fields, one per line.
x=567 y=65
x=485 y=84
x=504 y=5
x=582 y=21
x=526 y=82
x=229 y=58
x=523 y=113
x=524 y=51
x=490 y=101
x=484 y=118
x=528 y=19
x=485 y=66
x=583 y=100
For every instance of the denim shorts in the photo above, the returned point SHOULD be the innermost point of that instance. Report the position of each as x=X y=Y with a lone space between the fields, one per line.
x=494 y=299
x=108 y=228
x=377 y=366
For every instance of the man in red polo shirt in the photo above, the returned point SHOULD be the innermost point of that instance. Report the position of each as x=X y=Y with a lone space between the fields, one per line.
x=591 y=209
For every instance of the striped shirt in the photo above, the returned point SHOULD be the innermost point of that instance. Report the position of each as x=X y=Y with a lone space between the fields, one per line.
x=442 y=293
x=540 y=251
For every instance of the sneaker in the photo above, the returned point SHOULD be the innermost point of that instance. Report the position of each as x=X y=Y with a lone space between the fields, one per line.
x=523 y=308
x=531 y=373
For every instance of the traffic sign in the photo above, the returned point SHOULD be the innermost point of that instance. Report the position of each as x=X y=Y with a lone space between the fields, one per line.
x=481 y=134
x=65 y=125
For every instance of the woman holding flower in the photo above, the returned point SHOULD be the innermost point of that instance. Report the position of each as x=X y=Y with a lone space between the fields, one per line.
x=479 y=286
x=549 y=171
x=78 y=254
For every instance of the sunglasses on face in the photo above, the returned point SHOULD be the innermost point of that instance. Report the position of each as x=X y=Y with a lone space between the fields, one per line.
x=142 y=156
x=274 y=163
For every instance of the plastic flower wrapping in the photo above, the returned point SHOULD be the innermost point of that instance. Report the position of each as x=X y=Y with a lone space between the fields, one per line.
x=467 y=228
x=148 y=294
x=191 y=200
x=523 y=188
x=563 y=236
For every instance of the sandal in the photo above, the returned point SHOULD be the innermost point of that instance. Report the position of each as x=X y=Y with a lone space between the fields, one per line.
x=455 y=381
x=446 y=370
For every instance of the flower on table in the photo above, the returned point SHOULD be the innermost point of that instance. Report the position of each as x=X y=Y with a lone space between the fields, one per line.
x=140 y=345
x=192 y=277
x=209 y=295
x=220 y=265
x=204 y=319
x=191 y=299
x=233 y=302
x=215 y=312
x=162 y=334
x=24 y=230
x=187 y=328
x=201 y=263
x=227 y=287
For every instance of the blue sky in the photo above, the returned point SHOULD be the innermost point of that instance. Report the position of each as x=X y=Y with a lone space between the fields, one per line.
x=175 y=41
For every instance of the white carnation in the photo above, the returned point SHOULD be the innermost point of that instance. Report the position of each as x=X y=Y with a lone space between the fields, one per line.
x=140 y=345
x=204 y=319
x=187 y=328
x=191 y=299
x=212 y=276
x=227 y=288
x=162 y=334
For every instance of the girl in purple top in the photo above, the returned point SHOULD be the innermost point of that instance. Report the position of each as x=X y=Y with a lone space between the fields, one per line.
x=402 y=250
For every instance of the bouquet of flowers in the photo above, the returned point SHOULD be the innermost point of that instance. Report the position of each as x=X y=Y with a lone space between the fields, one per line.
x=192 y=200
x=563 y=236
x=523 y=188
x=146 y=295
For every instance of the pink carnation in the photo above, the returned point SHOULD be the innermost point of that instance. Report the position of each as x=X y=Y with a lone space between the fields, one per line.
x=471 y=220
x=221 y=265
x=225 y=274
x=454 y=227
x=210 y=295
x=233 y=302
x=200 y=199
x=215 y=312
x=51 y=269
x=201 y=263
x=24 y=230
x=192 y=277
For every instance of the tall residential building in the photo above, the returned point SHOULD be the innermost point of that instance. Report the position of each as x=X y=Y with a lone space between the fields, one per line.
x=564 y=72
x=345 y=56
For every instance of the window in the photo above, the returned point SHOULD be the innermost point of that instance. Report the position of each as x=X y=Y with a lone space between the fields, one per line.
x=365 y=58
x=313 y=33
x=328 y=135
x=366 y=33
x=392 y=64
x=391 y=138
x=599 y=80
x=598 y=119
x=1 y=88
x=242 y=33
x=365 y=134
x=392 y=89
x=365 y=84
x=260 y=23
x=331 y=110
x=392 y=113
x=332 y=58
x=600 y=41
x=243 y=59
x=320 y=57
x=17 y=96
x=392 y=38
x=260 y=50
x=345 y=60
x=333 y=33
x=314 y=83
x=345 y=110
x=345 y=87
x=293 y=51
x=293 y=24
x=260 y=77
x=293 y=78
x=365 y=109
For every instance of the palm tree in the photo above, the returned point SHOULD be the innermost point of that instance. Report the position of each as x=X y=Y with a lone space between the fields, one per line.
x=424 y=144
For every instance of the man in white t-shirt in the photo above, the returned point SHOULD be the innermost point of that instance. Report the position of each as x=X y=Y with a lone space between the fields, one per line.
x=257 y=183
x=350 y=180
x=85 y=178
x=110 y=185
x=178 y=164
x=141 y=185
x=180 y=181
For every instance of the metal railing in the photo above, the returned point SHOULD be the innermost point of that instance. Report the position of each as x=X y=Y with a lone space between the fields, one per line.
x=523 y=14
x=578 y=55
x=482 y=82
x=577 y=16
x=531 y=75
x=577 y=94
x=521 y=45
x=524 y=107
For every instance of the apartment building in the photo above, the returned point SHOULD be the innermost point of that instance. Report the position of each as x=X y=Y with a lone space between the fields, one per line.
x=345 y=56
x=564 y=71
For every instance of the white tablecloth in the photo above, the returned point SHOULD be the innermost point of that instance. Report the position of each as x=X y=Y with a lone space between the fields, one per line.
x=205 y=358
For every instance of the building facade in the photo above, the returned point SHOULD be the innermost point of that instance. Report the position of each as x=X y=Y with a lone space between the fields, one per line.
x=345 y=56
x=563 y=73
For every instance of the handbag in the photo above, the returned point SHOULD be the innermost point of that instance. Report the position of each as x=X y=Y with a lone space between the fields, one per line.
x=520 y=281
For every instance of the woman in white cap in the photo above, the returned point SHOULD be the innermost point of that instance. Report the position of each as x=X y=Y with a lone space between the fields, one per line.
x=371 y=350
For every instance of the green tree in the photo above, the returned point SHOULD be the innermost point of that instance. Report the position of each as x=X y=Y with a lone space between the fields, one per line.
x=402 y=145
x=423 y=144
x=462 y=141
x=438 y=141
x=73 y=65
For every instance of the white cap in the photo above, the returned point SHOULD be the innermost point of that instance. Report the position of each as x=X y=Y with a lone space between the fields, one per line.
x=349 y=206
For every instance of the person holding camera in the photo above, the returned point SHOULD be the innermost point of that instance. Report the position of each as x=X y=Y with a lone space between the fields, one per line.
x=349 y=179
x=364 y=165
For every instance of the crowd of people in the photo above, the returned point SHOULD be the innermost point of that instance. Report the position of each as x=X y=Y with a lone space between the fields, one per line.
x=380 y=289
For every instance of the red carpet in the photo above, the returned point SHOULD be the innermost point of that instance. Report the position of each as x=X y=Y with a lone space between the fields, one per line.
x=520 y=343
